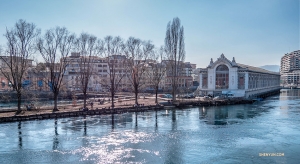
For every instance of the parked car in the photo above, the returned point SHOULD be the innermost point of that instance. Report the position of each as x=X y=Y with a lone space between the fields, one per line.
x=217 y=98
x=167 y=96
x=206 y=97
x=186 y=96
x=192 y=95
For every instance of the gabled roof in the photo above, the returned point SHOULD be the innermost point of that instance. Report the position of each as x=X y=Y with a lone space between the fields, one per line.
x=223 y=59
x=256 y=69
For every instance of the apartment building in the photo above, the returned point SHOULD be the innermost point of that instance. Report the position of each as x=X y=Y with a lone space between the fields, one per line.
x=103 y=68
x=5 y=84
x=184 y=76
x=98 y=69
x=290 y=68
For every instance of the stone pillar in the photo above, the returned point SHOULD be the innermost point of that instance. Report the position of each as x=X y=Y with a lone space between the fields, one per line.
x=246 y=80
x=211 y=77
x=233 y=78
x=200 y=81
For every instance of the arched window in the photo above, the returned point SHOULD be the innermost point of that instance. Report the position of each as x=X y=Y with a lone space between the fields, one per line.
x=222 y=77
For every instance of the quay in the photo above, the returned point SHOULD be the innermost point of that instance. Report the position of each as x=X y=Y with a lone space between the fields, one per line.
x=124 y=106
x=212 y=102
x=75 y=112
x=103 y=111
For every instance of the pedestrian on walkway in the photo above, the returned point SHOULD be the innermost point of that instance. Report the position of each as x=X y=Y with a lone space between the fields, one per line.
x=92 y=105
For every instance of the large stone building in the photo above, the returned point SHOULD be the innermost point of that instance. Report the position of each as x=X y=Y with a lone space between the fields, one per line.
x=184 y=76
x=102 y=69
x=228 y=77
x=290 y=69
x=99 y=71
x=5 y=84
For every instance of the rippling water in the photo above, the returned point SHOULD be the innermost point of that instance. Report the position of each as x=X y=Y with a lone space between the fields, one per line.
x=218 y=134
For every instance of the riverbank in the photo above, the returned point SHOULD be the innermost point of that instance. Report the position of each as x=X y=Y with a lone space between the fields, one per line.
x=101 y=107
x=80 y=113
x=119 y=103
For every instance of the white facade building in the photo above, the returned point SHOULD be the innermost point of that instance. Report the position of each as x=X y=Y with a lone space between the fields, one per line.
x=99 y=72
x=224 y=76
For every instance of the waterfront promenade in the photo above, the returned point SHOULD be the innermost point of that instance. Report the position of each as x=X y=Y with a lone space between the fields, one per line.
x=119 y=103
x=103 y=106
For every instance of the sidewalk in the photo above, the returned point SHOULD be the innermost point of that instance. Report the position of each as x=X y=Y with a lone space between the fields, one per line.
x=119 y=103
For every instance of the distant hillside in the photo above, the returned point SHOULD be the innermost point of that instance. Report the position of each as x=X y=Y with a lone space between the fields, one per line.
x=274 y=68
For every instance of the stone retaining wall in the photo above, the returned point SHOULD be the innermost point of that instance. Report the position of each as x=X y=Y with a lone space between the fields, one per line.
x=80 y=113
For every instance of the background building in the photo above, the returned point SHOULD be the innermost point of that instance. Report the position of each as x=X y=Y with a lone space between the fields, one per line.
x=185 y=79
x=35 y=77
x=290 y=69
x=98 y=74
x=4 y=83
x=228 y=77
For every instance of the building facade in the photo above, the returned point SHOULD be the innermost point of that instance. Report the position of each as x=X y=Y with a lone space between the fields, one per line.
x=228 y=77
x=290 y=69
x=99 y=71
x=184 y=76
x=103 y=68
x=5 y=83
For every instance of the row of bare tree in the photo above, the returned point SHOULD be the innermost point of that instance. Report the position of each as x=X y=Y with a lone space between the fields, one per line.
x=25 y=41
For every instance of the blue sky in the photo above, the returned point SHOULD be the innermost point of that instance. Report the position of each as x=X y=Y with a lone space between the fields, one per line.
x=255 y=32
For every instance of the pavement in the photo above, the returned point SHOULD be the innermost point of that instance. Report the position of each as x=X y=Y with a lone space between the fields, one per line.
x=119 y=103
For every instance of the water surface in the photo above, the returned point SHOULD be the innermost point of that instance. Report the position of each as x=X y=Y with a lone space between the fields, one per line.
x=217 y=134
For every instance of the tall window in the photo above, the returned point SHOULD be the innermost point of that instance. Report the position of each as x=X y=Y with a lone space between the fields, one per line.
x=222 y=77
x=241 y=81
x=204 y=81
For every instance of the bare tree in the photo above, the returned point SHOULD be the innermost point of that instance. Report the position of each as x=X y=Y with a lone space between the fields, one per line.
x=18 y=54
x=86 y=45
x=137 y=53
x=175 y=50
x=157 y=70
x=112 y=49
x=55 y=47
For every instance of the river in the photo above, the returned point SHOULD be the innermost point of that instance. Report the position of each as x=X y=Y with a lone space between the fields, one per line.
x=263 y=132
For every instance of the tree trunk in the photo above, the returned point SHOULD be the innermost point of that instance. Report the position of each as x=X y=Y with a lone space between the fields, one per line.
x=156 y=92
x=175 y=78
x=55 y=102
x=112 y=99
x=112 y=93
x=19 y=95
x=84 y=99
x=173 y=90
x=136 y=97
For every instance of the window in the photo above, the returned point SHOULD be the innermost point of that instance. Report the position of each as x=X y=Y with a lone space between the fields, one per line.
x=204 y=81
x=222 y=77
x=241 y=81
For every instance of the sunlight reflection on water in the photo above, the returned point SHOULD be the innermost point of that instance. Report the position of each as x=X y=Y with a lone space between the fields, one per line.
x=109 y=148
